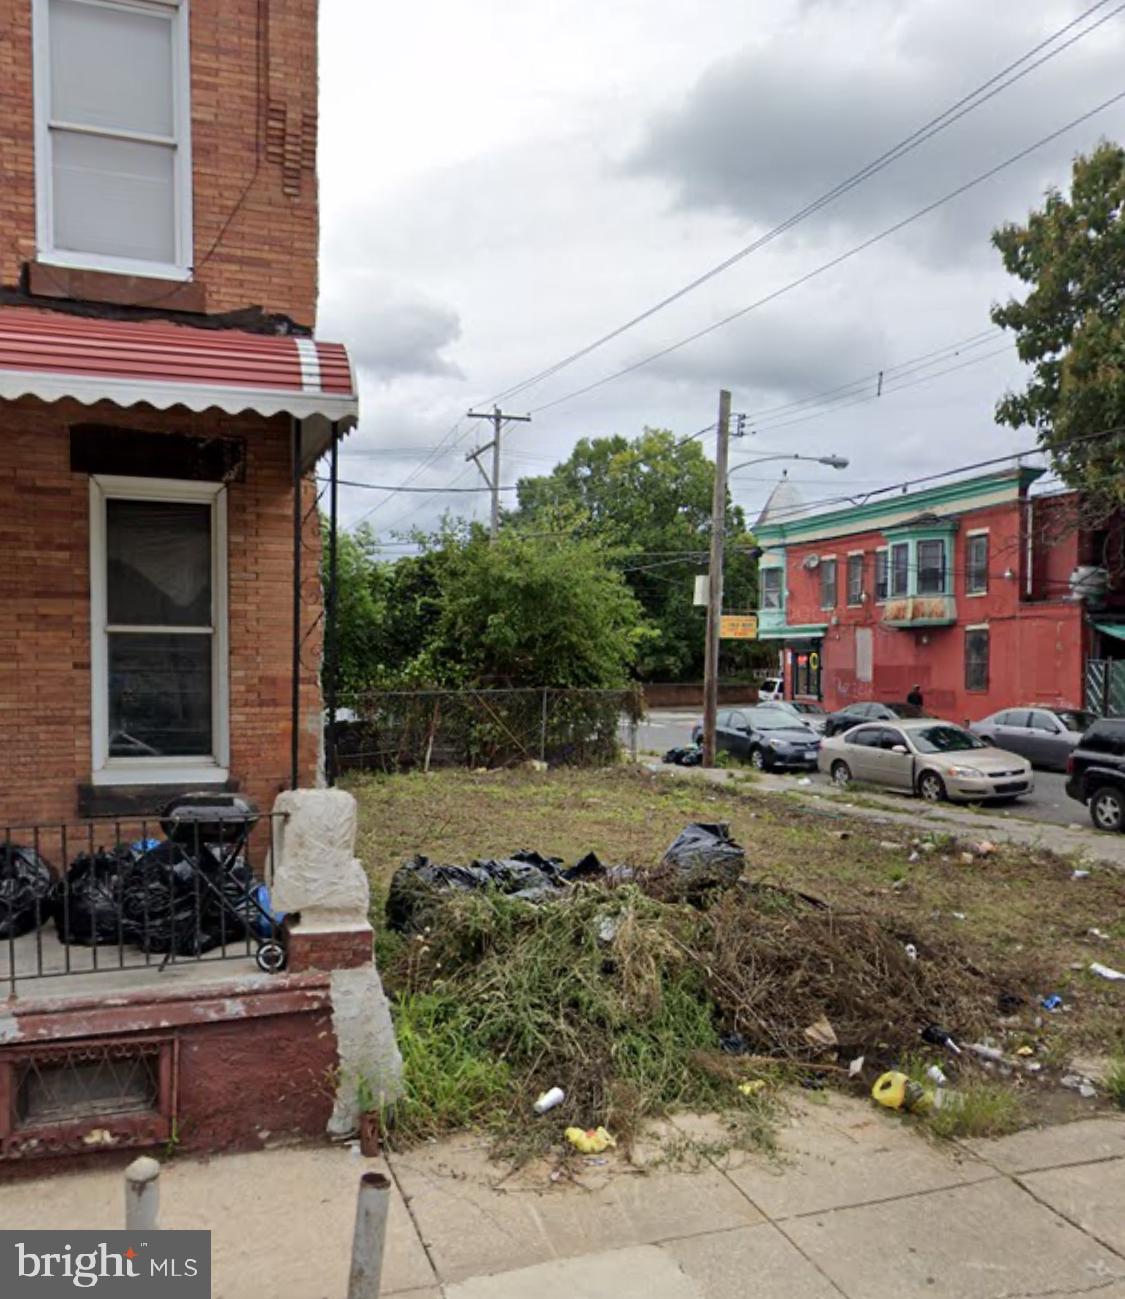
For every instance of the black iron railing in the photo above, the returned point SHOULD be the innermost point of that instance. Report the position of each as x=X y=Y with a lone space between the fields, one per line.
x=113 y=894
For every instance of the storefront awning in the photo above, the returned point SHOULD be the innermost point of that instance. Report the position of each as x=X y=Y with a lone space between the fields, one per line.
x=1114 y=629
x=50 y=355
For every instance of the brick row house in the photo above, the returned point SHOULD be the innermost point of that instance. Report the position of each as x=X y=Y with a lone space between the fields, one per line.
x=979 y=591
x=163 y=405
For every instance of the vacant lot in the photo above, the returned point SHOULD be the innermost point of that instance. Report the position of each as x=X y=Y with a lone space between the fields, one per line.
x=1008 y=918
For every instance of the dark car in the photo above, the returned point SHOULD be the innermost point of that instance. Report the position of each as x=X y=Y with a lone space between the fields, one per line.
x=767 y=738
x=871 y=710
x=1045 y=736
x=1096 y=773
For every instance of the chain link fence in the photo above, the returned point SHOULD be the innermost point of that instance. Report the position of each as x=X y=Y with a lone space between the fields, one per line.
x=418 y=730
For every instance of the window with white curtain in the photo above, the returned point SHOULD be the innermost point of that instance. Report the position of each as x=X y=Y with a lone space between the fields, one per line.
x=159 y=615
x=113 y=164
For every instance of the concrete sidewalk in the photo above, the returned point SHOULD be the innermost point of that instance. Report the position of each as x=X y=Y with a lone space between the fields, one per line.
x=859 y=1206
x=919 y=816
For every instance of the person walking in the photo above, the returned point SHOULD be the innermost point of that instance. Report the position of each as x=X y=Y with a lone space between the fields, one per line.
x=915 y=697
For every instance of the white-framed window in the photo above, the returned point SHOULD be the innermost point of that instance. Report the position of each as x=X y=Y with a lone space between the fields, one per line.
x=828 y=582
x=855 y=577
x=158 y=631
x=113 y=135
x=772 y=588
x=976 y=563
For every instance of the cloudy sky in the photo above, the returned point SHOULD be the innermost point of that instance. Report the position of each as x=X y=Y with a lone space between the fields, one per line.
x=504 y=182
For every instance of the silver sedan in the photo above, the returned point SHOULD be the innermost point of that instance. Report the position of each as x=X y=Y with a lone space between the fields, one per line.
x=936 y=760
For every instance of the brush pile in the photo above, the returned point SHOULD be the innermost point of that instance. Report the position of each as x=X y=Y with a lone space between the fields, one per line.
x=640 y=995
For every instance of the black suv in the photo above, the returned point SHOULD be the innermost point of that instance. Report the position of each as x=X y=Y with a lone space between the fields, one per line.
x=1095 y=773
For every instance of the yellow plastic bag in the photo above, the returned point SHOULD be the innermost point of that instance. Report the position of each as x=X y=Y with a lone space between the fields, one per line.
x=590 y=1141
x=752 y=1088
x=898 y=1092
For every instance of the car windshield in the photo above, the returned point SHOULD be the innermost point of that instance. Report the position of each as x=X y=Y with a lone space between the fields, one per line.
x=1076 y=720
x=808 y=708
x=776 y=721
x=945 y=739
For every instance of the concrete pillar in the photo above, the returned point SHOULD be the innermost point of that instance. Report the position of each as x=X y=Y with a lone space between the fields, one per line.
x=317 y=876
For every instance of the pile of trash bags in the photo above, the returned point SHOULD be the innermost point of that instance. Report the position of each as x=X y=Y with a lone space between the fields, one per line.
x=26 y=884
x=154 y=894
x=687 y=755
x=701 y=858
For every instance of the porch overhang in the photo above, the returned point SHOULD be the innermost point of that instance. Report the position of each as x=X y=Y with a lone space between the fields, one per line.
x=54 y=356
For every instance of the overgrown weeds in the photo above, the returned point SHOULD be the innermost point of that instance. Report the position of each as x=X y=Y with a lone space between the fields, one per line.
x=1115 y=1081
x=980 y=1107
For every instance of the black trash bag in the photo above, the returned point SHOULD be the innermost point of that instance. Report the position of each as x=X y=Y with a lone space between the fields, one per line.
x=414 y=887
x=240 y=910
x=26 y=884
x=590 y=867
x=169 y=902
x=688 y=755
x=87 y=904
x=701 y=860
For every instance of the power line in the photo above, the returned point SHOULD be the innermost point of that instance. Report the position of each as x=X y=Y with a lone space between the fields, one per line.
x=967 y=104
x=840 y=258
x=389 y=487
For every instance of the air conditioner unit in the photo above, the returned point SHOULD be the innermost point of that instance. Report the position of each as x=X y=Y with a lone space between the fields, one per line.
x=810 y=562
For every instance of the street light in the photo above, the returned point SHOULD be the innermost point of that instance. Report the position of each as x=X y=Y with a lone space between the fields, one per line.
x=833 y=462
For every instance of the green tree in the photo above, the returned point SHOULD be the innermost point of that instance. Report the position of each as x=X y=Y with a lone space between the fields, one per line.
x=650 y=499
x=1070 y=327
x=360 y=607
x=533 y=610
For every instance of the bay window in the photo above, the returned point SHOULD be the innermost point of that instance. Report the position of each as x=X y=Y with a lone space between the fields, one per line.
x=113 y=157
x=931 y=567
x=158 y=630
x=900 y=569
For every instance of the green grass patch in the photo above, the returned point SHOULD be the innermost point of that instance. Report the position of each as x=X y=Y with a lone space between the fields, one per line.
x=978 y=1107
x=1115 y=1081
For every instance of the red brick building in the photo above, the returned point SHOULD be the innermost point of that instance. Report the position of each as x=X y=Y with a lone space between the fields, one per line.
x=163 y=405
x=976 y=590
x=161 y=396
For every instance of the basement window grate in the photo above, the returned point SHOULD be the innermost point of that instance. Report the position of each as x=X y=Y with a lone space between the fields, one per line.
x=81 y=1083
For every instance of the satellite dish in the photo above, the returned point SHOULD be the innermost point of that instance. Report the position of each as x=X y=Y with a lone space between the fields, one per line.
x=810 y=562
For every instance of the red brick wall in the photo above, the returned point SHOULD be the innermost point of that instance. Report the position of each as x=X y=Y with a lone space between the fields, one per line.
x=1036 y=649
x=254 y=107
x=45 y=613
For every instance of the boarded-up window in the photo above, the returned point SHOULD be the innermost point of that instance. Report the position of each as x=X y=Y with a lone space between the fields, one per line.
x=863 y=654
x=976 y=658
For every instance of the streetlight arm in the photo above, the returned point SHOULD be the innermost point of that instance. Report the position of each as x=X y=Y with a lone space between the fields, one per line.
x=833 y=462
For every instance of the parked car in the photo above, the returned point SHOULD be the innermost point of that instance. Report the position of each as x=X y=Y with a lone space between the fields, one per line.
x=770 y=688
x=870 y=710
x=1045 y=736
x=936 y=760
x=1096 y=773
x=809 y=713
x=766 y=737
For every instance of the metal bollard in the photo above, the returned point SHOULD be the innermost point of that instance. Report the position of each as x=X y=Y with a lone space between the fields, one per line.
x=142 y=1194
x=370 y=1232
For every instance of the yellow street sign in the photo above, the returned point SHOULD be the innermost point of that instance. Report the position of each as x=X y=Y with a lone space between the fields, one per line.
x=739 y=626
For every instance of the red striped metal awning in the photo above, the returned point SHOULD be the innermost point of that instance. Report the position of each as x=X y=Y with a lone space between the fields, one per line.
x=50 y=355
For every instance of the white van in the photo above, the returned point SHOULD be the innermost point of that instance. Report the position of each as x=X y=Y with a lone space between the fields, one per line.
x=771 y=689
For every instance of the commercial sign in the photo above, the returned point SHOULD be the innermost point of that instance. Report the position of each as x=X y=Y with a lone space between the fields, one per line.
x=739 y=626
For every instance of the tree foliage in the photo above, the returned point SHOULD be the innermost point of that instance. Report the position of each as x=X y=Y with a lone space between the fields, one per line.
x=1070 y=326
x=529 y=610
x=650 y=499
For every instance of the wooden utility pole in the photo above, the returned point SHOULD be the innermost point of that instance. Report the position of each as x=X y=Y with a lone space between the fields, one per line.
x=498 y=419
x=715 y=585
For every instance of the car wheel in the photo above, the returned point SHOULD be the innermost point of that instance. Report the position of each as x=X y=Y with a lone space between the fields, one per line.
x=757 y=759
x=841 y=774
x=1107 y=808
x=931 y=787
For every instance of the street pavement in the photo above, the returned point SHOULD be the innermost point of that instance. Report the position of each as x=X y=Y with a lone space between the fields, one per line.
x=856 y=1205
x=664 y=730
